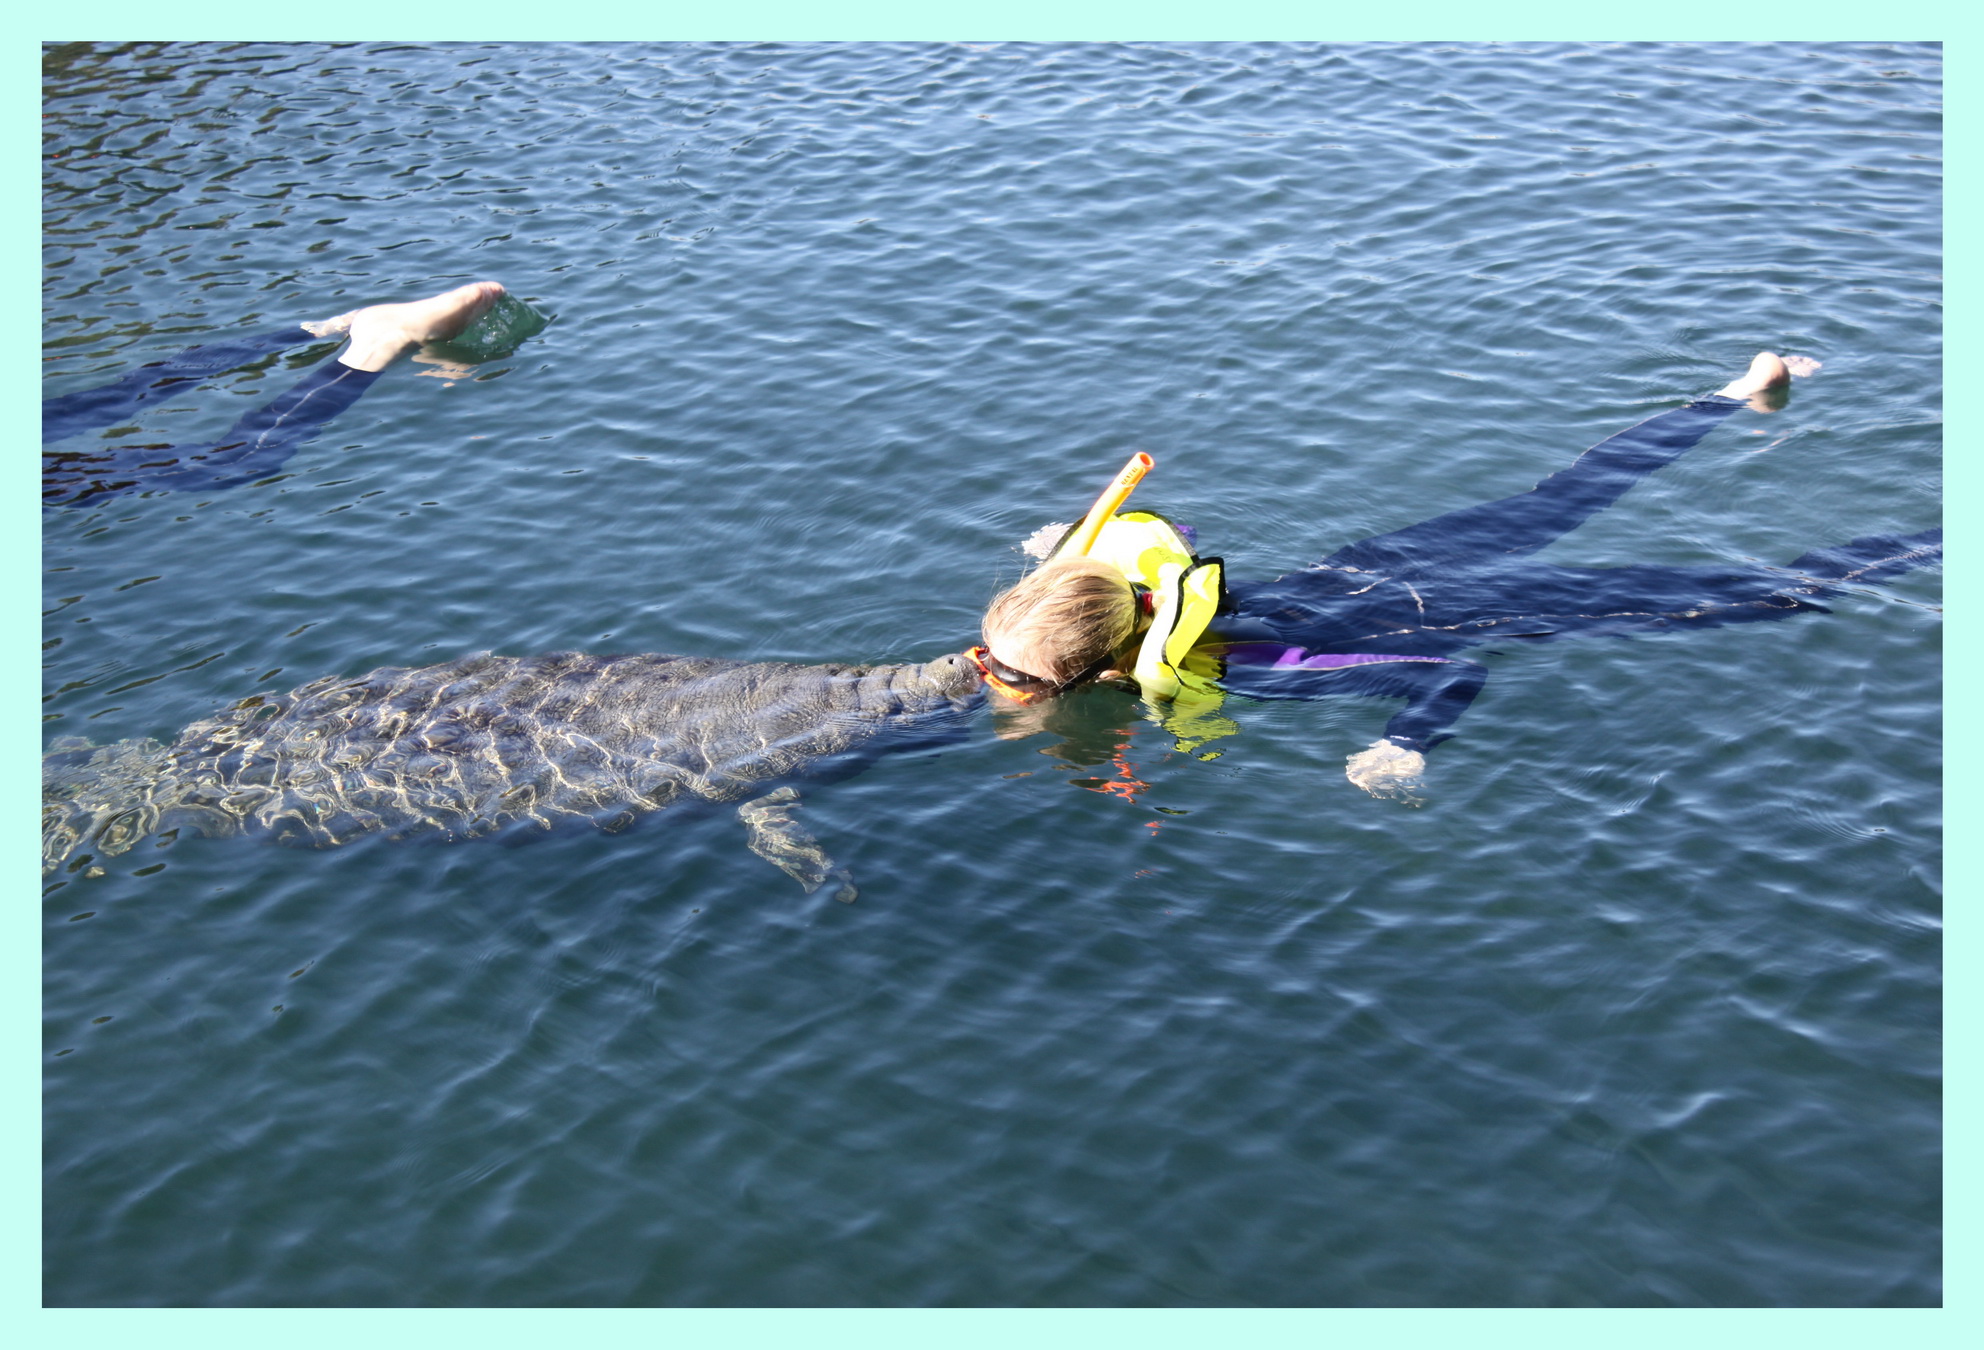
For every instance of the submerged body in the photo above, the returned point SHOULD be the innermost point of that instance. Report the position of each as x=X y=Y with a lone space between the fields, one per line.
x=1390 y=614
x=489 y=744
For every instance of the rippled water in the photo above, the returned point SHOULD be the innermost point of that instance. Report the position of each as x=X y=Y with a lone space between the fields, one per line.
x=1640 y=1007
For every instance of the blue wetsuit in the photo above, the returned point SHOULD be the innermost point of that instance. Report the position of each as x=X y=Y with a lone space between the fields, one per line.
x=1386 y=615
x=253 y=447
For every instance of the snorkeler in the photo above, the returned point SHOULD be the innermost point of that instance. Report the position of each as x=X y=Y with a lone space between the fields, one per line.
x=1385 y=616
x=257 y=444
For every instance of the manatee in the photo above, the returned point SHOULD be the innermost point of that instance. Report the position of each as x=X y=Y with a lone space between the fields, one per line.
x=490 y=744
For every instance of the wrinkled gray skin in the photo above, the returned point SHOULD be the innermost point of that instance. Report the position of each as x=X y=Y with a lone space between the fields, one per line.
x=498 y=743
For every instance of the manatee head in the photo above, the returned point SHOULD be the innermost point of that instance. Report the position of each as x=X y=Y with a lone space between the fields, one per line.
x=953 y=676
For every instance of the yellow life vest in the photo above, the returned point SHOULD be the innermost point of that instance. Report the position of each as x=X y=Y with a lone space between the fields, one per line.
x=1186 y=592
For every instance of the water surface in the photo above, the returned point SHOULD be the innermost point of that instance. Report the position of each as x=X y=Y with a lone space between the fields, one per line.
x=1641 y=1005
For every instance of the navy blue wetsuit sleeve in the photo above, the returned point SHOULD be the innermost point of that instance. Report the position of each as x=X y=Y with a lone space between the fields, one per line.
x=1560 y=503
x=1436 y=693
x=69 y=415
x=253 y=447
x=1874 y=557
x=1436 y=696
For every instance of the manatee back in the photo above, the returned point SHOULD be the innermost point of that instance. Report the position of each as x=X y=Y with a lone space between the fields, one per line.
x=105 y=797
x=491 y=743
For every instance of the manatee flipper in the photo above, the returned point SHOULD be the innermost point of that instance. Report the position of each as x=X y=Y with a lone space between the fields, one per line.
x=784 y=843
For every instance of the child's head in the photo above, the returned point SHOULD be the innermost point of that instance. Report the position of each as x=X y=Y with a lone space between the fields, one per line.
x=1062 y=620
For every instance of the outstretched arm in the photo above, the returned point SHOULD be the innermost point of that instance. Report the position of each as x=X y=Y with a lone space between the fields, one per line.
x=1436 y=692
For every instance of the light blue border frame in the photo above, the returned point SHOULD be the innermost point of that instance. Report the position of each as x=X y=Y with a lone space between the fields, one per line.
x=992 y=1329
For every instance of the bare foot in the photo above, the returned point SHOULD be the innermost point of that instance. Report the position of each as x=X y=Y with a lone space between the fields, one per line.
x=380 y=333
x=1766 y=385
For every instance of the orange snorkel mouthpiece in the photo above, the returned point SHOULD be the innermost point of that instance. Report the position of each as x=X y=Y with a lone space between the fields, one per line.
x=1127 y=477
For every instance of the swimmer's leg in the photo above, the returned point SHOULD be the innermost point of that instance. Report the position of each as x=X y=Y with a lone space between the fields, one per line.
x=380 y=333
x=253 y=447
x=262 y=441
x=1872 y=558
x=1536 y=601
x=1522 y=524
x=93 y=409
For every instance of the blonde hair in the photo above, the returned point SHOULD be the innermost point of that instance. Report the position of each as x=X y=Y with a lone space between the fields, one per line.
x=1067 y=616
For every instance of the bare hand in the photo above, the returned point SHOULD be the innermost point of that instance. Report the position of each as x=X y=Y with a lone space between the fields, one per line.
x=1387 y=769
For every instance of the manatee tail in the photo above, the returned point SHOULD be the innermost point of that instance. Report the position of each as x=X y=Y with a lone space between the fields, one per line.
x=97 y=800
x=1873 y=558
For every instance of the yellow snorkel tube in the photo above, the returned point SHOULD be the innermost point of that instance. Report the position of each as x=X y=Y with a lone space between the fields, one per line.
x=1082 y=538
x=1186 y=592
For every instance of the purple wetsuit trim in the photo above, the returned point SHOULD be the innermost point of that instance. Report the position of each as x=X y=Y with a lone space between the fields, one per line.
x=1282 y=657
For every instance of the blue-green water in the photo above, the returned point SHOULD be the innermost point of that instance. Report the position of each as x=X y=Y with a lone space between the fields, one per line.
x=1639 y=1007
